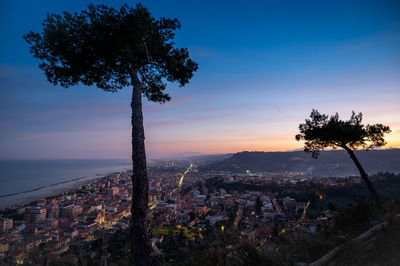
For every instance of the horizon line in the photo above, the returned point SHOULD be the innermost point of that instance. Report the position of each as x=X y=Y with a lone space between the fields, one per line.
x=182 y=157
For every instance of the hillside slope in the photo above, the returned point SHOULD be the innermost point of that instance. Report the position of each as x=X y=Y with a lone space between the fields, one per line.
x=329 y=163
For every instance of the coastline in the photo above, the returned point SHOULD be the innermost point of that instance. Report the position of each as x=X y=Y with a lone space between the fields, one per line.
x=39 y=188
x=53 y=190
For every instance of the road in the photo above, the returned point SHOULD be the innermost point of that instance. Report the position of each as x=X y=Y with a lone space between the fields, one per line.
x=153 y=204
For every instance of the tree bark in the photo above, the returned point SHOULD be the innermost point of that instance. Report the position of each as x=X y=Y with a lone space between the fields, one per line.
x=364 y=175
x=141 y=244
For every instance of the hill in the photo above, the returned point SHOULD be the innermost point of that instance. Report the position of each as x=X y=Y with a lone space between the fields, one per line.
x=329 y=163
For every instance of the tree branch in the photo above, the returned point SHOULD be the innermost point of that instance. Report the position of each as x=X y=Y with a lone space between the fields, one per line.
x=144 y=78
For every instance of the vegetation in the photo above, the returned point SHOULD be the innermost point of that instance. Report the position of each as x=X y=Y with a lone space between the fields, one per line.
x=113 y=49
x=321 y=132
x=218 y=248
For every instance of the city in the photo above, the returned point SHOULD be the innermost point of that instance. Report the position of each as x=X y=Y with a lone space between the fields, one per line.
x=182 y=202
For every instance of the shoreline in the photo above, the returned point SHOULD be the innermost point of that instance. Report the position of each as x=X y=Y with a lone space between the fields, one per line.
x=42 y=187
x=16 y=200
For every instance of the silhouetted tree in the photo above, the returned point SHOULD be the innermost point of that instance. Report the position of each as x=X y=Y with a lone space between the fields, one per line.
x=258 y=205
x=322 y=131
x=113 y=49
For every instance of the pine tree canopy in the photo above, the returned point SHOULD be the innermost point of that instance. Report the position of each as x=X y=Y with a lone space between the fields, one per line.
x=104 y=46
x=322 y=131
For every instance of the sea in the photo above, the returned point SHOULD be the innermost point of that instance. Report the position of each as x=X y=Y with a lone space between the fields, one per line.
x=22 y=181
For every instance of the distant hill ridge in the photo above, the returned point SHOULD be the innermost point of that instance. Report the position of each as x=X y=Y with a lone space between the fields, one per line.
x=329 y=163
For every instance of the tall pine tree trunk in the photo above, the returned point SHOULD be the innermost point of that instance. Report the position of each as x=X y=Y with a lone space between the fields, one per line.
x=364 y=175
x=141 y=245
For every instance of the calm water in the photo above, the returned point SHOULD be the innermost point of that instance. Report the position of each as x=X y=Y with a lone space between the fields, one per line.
x=18 y=176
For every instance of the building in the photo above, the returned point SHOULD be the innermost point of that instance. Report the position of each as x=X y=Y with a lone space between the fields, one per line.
x=6 y=224
x=289 y=204
x=37 y=213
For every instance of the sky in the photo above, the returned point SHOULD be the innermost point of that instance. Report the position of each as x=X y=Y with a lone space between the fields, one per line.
x=263 y=66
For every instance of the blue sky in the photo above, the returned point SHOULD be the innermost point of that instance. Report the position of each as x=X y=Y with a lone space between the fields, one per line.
x=263 y=65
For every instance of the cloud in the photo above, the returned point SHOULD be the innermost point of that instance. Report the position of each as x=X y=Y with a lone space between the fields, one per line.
x=395 y=91
x=355 y=47
x=8 y=70
x=207 y=117
x=196 y=51
x=209 y=99
x=154 y=107
x=50 y=110
x=186 y=120
x=164 y=124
